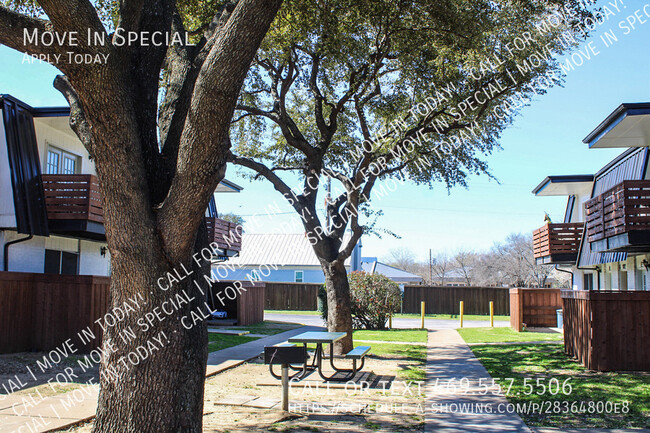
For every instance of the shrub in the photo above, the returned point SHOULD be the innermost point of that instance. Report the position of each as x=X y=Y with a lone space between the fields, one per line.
x=374 y=297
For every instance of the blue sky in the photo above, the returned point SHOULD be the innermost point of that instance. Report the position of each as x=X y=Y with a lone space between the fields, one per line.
x=545 y=139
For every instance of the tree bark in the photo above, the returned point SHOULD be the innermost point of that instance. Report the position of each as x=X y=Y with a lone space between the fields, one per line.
x=147 y=389
x=339 y=317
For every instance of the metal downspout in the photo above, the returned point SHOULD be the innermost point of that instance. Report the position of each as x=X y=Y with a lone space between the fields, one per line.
x=8 y=244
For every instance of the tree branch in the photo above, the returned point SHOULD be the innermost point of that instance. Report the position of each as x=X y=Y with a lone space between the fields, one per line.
x=75 y=15
x=77 y=120
x=13 y=26
x=202 y=152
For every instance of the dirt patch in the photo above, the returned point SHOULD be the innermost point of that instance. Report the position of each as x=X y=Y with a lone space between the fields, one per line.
x=21 y=373
x=314 y=409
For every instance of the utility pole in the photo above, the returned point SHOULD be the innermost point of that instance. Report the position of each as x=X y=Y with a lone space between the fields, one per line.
x=430 y=268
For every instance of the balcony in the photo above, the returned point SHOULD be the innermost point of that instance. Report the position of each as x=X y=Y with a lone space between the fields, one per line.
x=74 y=208
x=619 y=219
x=74 y=205
x=225 y=234
x=557 y=244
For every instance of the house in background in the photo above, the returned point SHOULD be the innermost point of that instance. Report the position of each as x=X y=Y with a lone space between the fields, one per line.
x=283 y=258
x=372 y=266
x=604 y=242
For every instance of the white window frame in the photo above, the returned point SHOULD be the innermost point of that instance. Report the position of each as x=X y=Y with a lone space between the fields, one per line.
x=63 y=155
x=295 y=276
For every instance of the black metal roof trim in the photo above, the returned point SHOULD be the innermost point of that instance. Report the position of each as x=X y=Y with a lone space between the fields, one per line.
x=570 y=178
x=38 y=111
x=24 y=167
x=620 y=113
x=51 y=112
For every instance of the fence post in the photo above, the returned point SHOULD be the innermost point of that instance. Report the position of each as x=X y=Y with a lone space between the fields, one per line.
x=462 y=311
x=422 y=307
x=390 y=321
x=491 y=314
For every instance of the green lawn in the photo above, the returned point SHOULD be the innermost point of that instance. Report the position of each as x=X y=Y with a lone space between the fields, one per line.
x=577 y=398
x=266 y=327
x=415 y=354
x=224 y=341
x=409 y=358
x=402 y=316
x=502 y=335
x=404 y=335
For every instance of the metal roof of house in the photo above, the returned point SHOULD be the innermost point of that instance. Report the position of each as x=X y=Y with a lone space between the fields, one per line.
x=277 y=249
x=371 y=265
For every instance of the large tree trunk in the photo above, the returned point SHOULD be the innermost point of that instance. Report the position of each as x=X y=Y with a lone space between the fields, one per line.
x=339 y=317
x=154 y=192
x=152 y=380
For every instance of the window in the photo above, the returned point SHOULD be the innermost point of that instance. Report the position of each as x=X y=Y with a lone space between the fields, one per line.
x=589 y=282
x=61 y=262
x=61 y=162
x=298 y=276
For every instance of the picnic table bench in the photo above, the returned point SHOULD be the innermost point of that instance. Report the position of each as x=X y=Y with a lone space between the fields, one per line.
x=300 y=363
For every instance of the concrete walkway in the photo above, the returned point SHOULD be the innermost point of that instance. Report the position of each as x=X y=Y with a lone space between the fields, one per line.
x=34 y=413
x=452 y=408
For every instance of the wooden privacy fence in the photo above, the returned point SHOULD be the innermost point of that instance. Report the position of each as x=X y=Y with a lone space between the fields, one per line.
x=534 y=307
x=38 y=312
x=41 y=311
x=242 y=300
x=291 y=296
x=446 y=299
x=608 y=331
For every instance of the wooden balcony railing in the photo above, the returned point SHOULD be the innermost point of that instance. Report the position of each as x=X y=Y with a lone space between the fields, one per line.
x=224 y=233
x=557 y=243
x=624 y=209
x=73 y=197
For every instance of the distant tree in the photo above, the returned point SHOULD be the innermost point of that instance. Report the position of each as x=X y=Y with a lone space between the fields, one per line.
x=441 y=266
x=402 y=258
x=464 y=262
x=233 y=218
x=514 y=260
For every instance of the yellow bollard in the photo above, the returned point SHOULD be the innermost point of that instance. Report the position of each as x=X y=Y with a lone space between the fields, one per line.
x=491 y=314
x=390 y=321
x=422 y=315
x=462 y=311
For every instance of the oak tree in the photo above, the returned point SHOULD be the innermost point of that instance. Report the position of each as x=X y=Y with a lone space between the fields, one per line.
x=361 y=91
x=159 y=151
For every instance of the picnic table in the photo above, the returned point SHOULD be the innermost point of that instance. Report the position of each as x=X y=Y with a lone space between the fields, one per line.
x=320 y=339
